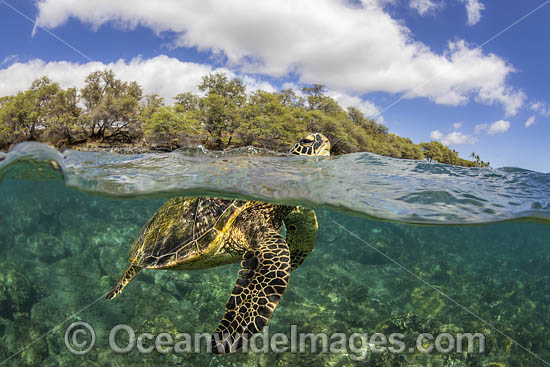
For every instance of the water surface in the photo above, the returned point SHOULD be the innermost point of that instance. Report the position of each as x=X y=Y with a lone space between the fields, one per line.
x=66 y=229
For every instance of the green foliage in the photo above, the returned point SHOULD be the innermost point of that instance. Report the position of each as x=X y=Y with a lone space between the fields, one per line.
x=115 y=110
x=13 y=115
x=150 y=104
x=478 y=161
x=289 y=98
x=111 y=106
x=5 y=130
x=435 y=151
x=27 y=114
x=62 y=117
x=221 y=106
x=166 y=125
x=265 y=120
x=185 y=102
x=218 y=84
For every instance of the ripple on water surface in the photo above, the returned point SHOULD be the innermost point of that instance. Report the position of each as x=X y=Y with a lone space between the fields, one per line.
x=364 y=183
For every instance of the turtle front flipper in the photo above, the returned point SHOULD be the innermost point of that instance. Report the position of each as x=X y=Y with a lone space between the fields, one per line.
x=128 y=275
x=262 y=280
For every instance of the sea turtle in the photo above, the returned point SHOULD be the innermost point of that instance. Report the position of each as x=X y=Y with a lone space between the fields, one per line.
x=199 y=232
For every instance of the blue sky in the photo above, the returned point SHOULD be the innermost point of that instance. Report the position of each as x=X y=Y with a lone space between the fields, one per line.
x=423 y=67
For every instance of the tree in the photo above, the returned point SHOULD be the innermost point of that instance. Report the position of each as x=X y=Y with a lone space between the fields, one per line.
x=5 y=126
x=166 y=125
x=317 y=100
x=13 y=115
x=108 y=108
x=315 y=90
x=150 y=104
x=220 y=85
x=220 y=108
x=25 y=114
x=63 y=114
x=111 y=106
x=289 y=98
x=433 y=151
x=267 y=121
x=356 y=116
x=186 y=102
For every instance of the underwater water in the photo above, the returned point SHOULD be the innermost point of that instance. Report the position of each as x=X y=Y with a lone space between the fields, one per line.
x=403 y=247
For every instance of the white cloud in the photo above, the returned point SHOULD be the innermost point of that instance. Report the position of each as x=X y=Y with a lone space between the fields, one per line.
x=457 y=125
x=541 y=108
x=473 y=9
x=347 y=100
x=512 y=100
x=481 y=127
x=530 y=121
x=454 y=138
x=436 y=135
x=358 y=49
x=424 y=6
x=497 y=127
x=251 y=83
x=162 y=75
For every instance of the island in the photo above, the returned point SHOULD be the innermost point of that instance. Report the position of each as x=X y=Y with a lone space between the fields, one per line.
x=108 y=113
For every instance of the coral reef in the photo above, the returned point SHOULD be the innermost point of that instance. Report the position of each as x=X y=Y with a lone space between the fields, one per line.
x=17 y=293
x=62 y=251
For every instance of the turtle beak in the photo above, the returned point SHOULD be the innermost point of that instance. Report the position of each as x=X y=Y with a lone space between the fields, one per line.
x=324 y=152
x=322 y=146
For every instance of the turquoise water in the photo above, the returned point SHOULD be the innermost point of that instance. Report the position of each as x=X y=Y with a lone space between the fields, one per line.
x=404 y=246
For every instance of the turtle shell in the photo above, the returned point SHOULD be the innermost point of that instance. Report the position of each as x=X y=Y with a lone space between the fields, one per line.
x=182 y=228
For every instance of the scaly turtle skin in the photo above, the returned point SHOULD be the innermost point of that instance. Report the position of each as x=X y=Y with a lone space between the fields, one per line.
x=198 y=233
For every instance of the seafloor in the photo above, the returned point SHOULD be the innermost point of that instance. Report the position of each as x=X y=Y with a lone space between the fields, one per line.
x=61 y=250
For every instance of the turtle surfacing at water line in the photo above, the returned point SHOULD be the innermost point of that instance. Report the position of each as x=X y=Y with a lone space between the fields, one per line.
x=199 y=233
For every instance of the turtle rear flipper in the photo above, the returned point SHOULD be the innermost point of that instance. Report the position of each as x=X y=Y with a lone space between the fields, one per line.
x=262 y=280
x=128 y=275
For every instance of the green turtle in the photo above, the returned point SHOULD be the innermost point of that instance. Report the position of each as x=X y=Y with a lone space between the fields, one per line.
x=199 y=233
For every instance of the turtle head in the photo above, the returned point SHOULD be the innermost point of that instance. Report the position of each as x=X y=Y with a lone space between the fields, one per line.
x=312 y=144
